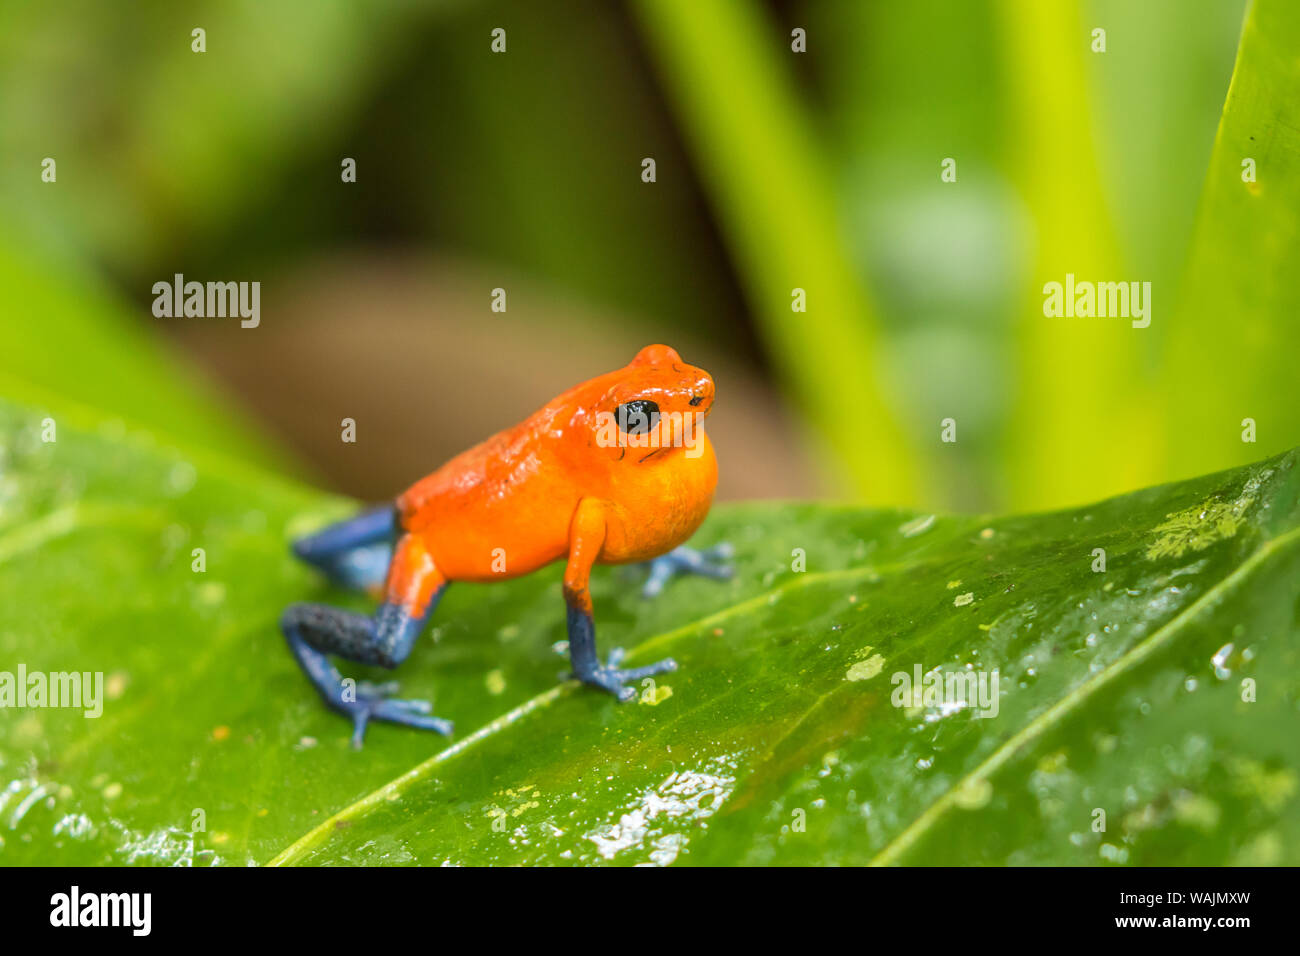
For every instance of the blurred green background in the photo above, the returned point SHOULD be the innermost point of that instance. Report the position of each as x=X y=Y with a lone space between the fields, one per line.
x=775 y=170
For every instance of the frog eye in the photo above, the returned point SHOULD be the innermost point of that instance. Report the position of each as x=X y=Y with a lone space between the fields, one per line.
x=637 y=418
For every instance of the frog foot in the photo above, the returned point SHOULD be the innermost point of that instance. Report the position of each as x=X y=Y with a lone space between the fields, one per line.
x=374 y=703
x=711 y=562
x=613 y=679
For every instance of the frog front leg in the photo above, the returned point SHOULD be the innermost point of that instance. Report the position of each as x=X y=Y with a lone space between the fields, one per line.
x=586 y=537
x=385 y=639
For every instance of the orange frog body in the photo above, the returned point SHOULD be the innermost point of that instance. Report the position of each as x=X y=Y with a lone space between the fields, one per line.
x=520 y=490
x=615 y=470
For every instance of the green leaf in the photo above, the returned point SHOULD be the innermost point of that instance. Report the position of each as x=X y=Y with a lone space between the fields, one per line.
x=776 y=741
x=1232 y=344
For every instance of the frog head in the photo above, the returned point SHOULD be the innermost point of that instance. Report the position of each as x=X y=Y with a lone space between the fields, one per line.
x=653 y=408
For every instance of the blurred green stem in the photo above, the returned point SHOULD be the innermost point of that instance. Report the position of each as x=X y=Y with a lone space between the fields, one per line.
x=1074 y=372
x=772 y=191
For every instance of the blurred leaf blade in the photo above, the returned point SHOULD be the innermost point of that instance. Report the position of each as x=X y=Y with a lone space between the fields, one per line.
x=68 y=337
x=945 y=260
x=159 y=146
x=1231 y=353
x=773 y=194
x=1073 y=372
x=1158 y=106
x=780 y=714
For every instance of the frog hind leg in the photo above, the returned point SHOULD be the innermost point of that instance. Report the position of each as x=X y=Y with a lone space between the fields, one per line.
x=354 y=553
x=385 y=639
x=709 y=562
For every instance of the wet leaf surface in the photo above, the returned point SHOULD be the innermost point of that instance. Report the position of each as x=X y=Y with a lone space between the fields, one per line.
x=778 y=741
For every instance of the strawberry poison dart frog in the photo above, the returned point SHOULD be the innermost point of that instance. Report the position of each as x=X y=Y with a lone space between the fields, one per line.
x=613 y=471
